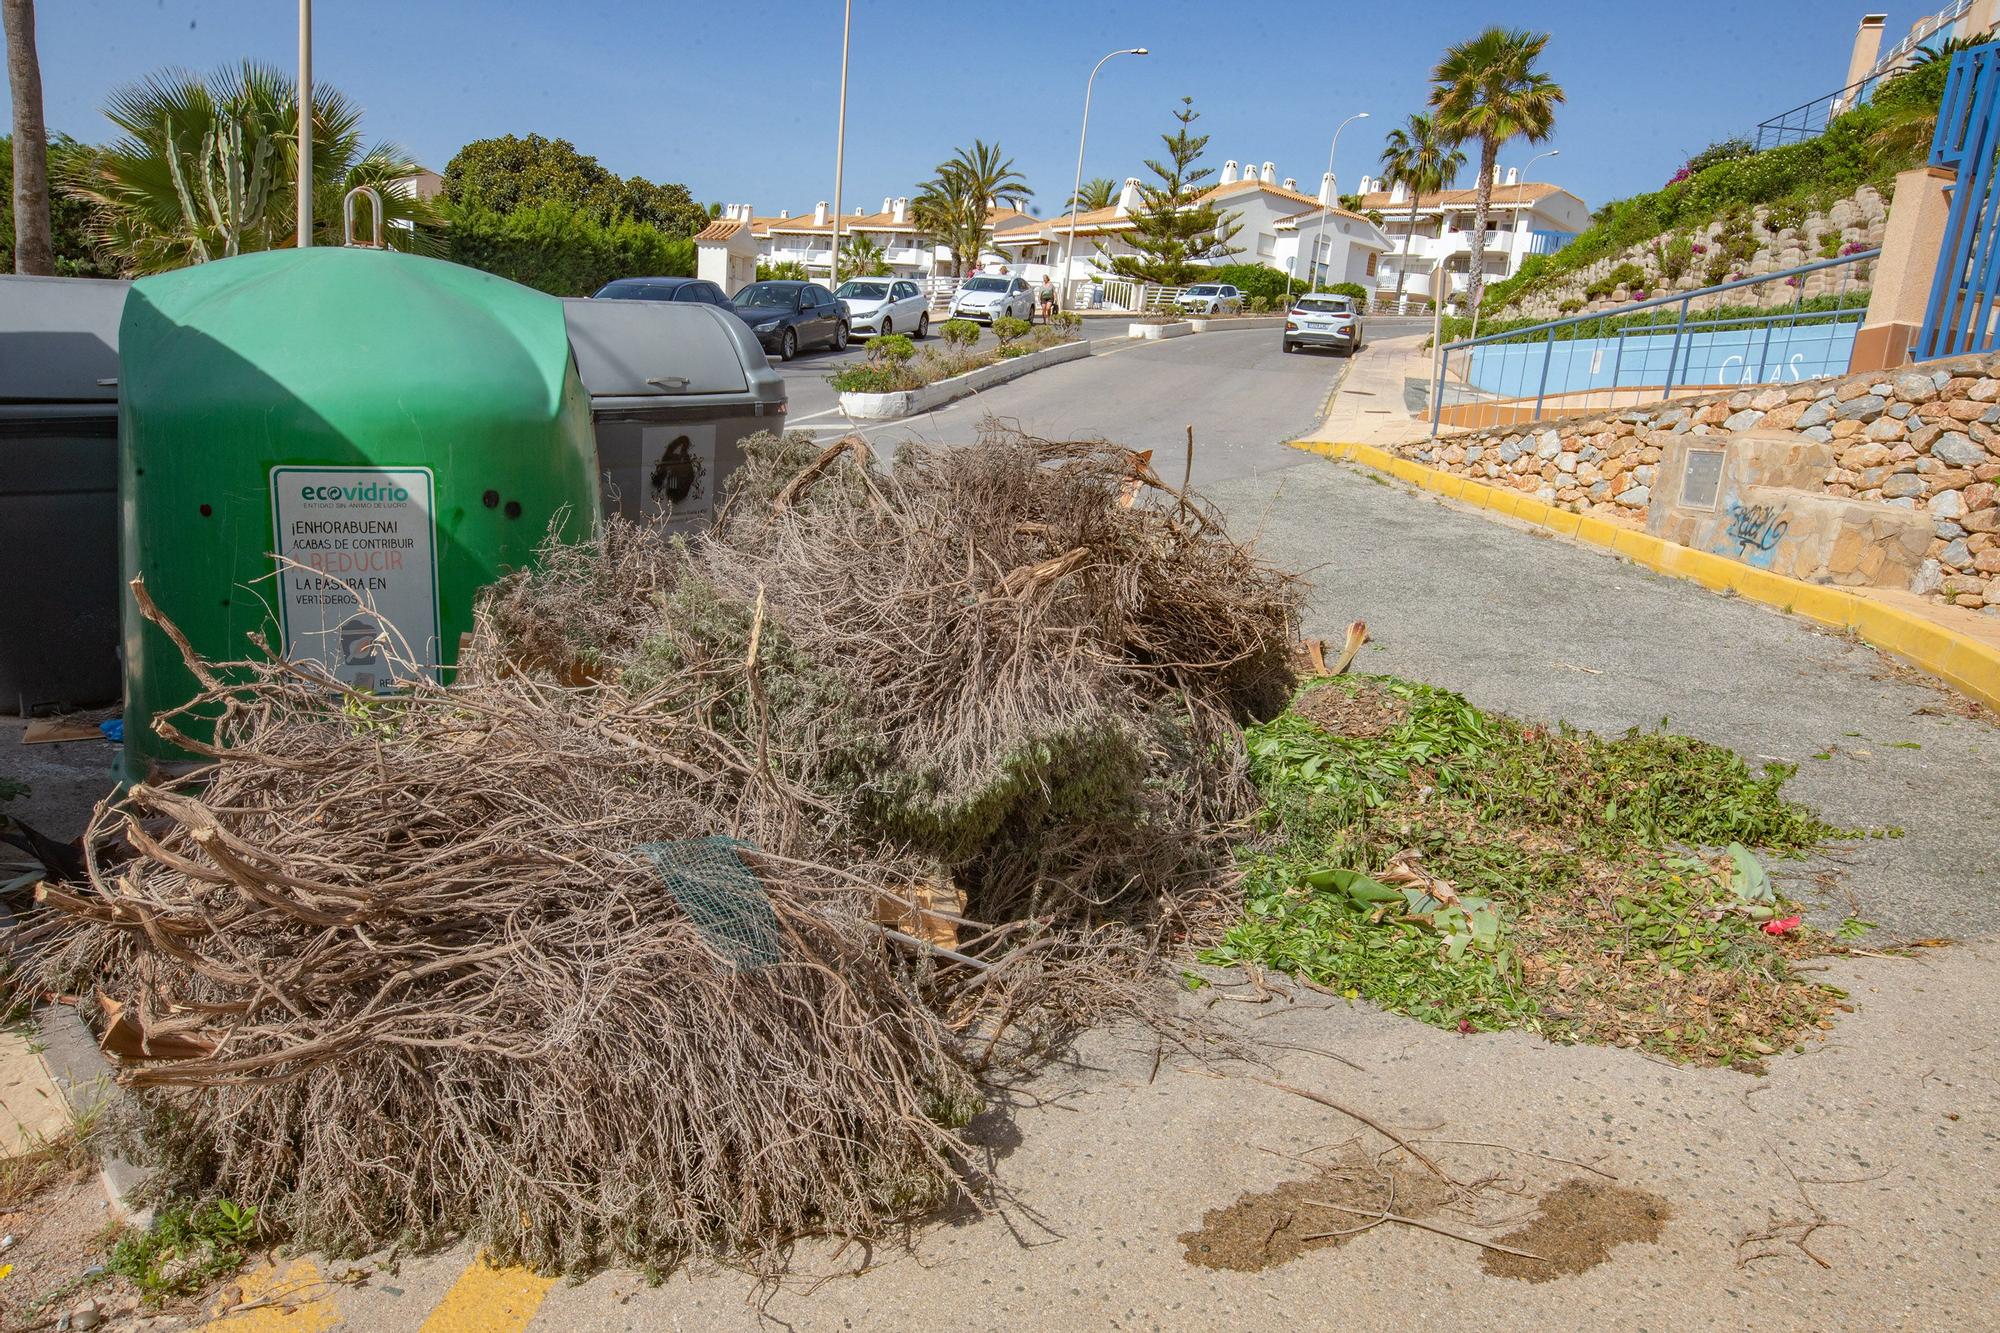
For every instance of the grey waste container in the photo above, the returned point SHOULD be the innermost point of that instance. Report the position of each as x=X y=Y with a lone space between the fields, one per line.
x=674 y=389
x=59 y=491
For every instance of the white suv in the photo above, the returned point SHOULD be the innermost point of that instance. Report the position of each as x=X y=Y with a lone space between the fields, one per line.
x=987 y=298
x=1209 y=298
x=1322 y=319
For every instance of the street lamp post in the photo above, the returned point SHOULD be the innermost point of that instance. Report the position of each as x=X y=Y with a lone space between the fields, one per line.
x=306 y=124
x=1553 y=152
x=1319 y=234
x=839 y=147
x=1069 y=250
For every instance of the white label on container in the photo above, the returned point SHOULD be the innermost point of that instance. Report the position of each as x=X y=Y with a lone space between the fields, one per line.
x=357 y=570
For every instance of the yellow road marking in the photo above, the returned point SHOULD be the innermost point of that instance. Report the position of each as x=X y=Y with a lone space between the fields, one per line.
x=289 y=1298
x=486 y=1299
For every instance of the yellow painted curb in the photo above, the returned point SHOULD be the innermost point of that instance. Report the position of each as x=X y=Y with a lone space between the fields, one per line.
x=486 y=1299
x=1962 y=662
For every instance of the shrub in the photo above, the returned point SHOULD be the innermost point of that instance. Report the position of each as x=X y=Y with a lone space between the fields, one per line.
x=785 y=270
x=1257 y=305
x=1353 y=289
x=873 y=377
x=1253 y=280
x=1569 y=307
x=959 y=332
x=1008 y=351
x=1674 y=257
x=561 y=249
x=1069 y=322
x=1007 y=329
x=893 y=348
x=1829 y=245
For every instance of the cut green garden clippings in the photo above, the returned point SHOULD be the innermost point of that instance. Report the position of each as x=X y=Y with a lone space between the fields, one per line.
x=1478 y=872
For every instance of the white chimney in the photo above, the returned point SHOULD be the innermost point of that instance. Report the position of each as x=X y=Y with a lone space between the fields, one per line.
x=1327 y=188
x=784 y=213
x=1229 y=170
x=899 y=210
x=1269 y=175
x=860 y=212
x=1128 y=197
x=1292 y=184
x=1513 y=175
x=1399 y=193
x=819 y=214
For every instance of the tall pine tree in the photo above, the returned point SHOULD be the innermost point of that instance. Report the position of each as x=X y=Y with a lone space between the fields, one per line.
x=1174 y=232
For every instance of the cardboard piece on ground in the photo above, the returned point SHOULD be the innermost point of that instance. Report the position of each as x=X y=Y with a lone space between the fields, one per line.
x=42 y=730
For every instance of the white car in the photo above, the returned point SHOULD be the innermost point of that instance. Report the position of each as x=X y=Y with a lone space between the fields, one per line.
x=885 y=305
x=1209 y=298
x=987 y=298
x=1322 y=319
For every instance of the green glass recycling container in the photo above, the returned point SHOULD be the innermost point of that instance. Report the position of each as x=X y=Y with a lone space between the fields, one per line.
x=335 y=449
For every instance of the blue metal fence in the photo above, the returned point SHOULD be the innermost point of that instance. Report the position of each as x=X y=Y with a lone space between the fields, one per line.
x=1782 y=327
x=1962 y=313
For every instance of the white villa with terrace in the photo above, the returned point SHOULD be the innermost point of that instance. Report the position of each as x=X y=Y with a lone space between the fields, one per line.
x=1524 y=218
x=1278 y=225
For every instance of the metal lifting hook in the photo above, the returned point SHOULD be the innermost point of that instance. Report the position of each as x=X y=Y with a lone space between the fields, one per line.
x=347 y=217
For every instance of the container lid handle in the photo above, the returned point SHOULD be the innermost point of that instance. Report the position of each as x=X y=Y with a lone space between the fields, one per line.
x=347 y=216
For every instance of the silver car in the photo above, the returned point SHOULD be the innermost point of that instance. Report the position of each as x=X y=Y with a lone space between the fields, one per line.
x=1322 y=319
x=885 y=305
x=987 y=298
x=1209 y=298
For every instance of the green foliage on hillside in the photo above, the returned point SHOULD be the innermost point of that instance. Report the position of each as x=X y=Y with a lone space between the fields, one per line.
x=562 y=249
x=1865 y=146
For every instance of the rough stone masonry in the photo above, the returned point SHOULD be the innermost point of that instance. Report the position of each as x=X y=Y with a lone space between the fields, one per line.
x=1922 y=438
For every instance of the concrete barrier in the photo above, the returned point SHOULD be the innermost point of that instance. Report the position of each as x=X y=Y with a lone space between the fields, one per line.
x=1153 y=332
x=911 y=402
x=1240 y=322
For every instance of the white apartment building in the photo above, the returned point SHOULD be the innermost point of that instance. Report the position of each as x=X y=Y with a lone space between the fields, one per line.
x=1523 y=218
x=1277 y=226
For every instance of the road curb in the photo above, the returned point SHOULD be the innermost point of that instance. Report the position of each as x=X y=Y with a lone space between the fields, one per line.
x=87 y=1083
x=914 y=402
x=1964 y=663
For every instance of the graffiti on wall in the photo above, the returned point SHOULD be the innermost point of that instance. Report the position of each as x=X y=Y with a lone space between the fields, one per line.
x=1754 y=532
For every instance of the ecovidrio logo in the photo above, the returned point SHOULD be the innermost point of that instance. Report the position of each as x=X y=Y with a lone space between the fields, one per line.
x=365 y=490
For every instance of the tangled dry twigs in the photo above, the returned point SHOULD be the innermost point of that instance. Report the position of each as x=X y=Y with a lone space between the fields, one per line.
x=585 y=953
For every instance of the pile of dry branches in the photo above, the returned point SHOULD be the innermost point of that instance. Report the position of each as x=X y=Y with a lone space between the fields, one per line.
x=480 y=957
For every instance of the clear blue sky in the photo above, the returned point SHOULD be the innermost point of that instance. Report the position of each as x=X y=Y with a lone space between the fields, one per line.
x=737 y=100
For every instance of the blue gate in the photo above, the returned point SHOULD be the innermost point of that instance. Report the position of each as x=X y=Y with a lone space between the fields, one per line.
x=1963 y=313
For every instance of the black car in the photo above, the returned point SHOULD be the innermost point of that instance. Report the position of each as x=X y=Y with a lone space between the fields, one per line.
x=786 y=316
x=688 y=290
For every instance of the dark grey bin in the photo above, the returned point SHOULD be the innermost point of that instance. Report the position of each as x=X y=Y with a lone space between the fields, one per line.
x=674 y=390
x=59 y=492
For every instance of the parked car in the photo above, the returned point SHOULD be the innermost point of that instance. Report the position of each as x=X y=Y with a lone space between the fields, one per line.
x=1321 y=319
x=788 y=315
x=988 y=298
x=885 y=305
x=1209 y=298
x=687 y=290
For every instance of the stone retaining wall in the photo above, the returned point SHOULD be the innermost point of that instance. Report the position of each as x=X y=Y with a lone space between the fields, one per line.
x=1926 y=439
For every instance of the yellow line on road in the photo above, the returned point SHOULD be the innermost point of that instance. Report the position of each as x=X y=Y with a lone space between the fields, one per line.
x=486 y=1299
x=292 y=1298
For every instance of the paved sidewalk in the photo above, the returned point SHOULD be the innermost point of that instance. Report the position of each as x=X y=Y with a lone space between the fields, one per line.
x=1373 y=405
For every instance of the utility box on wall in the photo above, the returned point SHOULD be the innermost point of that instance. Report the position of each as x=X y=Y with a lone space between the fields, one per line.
x=1759 y=496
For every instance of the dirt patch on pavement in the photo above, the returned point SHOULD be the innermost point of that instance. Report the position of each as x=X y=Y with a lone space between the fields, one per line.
x=1577 y=1226
x=1275 y=1226
x=1363 y=712
x=56 y=1237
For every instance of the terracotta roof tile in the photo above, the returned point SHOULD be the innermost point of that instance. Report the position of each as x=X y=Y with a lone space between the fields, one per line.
x=720 y=230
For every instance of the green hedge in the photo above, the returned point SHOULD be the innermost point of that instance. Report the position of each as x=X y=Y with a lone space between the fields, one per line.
x=560 y=249
x=1853 y=152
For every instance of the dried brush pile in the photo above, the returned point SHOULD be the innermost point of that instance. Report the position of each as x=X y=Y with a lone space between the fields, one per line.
x=480 y=958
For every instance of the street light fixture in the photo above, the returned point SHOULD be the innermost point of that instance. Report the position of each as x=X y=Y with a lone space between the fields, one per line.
x=1319 y=233
x=1069 y=250
x=1553 y=152
x=839 y=148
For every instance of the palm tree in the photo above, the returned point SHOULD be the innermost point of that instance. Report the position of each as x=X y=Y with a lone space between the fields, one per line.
x=1489 y=89
x=1097 y=192
x=861 y=257
x=209 y=168
x=954 y=207
x=1421 y=160
x=34 y=239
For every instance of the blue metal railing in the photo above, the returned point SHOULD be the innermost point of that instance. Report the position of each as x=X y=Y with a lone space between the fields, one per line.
x=1962 y=311
x=1514 y=376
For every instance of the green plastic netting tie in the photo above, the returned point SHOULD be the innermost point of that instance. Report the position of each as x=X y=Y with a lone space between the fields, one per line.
x=721 y=895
